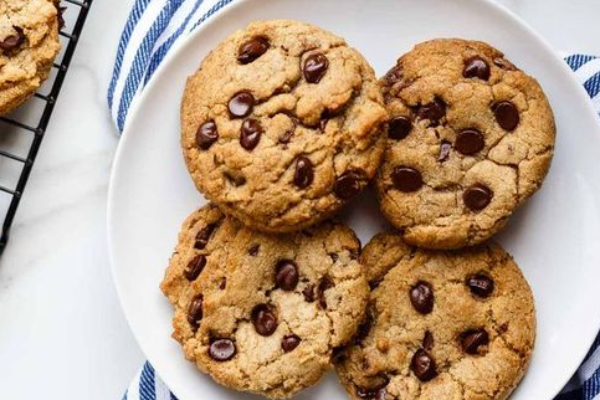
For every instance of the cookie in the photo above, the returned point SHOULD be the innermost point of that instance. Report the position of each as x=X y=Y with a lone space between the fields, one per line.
x=264 y=313
x=471 y=137
x=457 y=325
x=282 y=125
x=29 y=44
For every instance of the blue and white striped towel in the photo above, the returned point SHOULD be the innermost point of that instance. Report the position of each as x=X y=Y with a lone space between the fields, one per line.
x=152 y=29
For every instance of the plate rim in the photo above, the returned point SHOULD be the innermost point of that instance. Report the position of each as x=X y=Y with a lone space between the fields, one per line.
x=214 y=19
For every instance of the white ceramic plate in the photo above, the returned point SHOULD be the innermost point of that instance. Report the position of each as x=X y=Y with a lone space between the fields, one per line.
x=554 y=238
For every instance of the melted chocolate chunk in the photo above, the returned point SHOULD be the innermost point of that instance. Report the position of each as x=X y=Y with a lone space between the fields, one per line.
x=250 y=134
x=241 y=105
x=195 y=267
x=264 y=320
x=477 y=197
x=222 y=349
x=206 y=135
x=423 y=365
x=421 y=297
x=286 y=275
x=476 y=67
x=305 y=173
x=407 y=179
x=480 y=285
x=315 y=67
x=252 y=49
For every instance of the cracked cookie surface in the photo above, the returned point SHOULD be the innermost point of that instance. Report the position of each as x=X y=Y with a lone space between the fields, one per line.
x=457 y=325
x=282 y=125
x=29 y=44
x=471 y=137
x=261 y=313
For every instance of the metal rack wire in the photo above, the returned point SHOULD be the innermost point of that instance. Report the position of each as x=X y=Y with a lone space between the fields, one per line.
x=13 y=125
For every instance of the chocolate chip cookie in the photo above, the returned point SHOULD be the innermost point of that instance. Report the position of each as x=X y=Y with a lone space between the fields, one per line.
x=457 y=325
x=264 y=313
x=29 y=44
x=282 y=125
x=471 y=137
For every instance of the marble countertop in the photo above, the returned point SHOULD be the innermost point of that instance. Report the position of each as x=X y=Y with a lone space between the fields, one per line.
x=62 y=332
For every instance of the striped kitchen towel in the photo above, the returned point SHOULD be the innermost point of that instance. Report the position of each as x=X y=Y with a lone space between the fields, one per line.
x=152 y=29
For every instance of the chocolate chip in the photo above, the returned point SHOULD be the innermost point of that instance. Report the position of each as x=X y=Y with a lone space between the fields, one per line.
x=421 y=297
x=286 y=275
x=264 y=320
x=290 y=342
x=222 y=350
x=315 y=67
x=348 y=185
x=305 y=173
x=473 y=339
x=253 y=251
x=223 y=283
x=195 y=311
x=324 y=285
x=477 y=197
x=469 y=141
x=476 y=67
x=250 y=134
x=376 y=391
x=334 y=257
x=195 y=267
x=203 y=236
x=504 y=64
x=376 y=394
x=423 y=365
x=13 y=41
x=407 y=179
x=445 y=148
x=364 y=328
x=241 y=105
x=507 y=115
x=480 y=285
x=252 y=49
x=428 y=341
x=374 y=284
x=399 y=127
x=309 y=293
x=338 y=355
x=286 y=137
x=434 y=111
x=206 y=135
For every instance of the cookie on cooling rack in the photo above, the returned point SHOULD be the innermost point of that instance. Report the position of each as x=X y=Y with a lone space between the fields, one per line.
x=471 y=138
x=29 y=44
x=282 y=125
x=440 y=325
x=264 y=313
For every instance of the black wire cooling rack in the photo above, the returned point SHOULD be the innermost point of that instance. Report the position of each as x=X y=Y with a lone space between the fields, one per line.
x=21 y=133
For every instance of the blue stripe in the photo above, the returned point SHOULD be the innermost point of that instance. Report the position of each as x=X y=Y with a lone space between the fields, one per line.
x=162 y=51
x=147 y=389
x=125 y=395
x=173 y=396
x=141 y=58
x=210 y=12
x=576 y=61
x=592 y=85
x=134 y=17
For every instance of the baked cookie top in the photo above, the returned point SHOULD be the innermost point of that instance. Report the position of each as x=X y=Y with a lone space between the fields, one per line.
x=457 y=325
x=282 y=125
x=261 y=313
x=28 y=45
x=470 y=138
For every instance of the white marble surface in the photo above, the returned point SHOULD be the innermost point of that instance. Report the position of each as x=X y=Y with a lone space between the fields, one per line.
x=61 y=330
